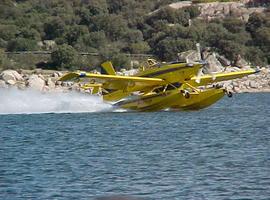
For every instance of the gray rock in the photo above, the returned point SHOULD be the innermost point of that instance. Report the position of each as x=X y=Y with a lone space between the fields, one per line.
x=41 y=76
x=35 y=82
x=55 y=74
x=253 y=84
x=180 y=4
x=11 y=82
x=213 y=65
x=50 y=83
x=224 y=61
x=11 y=75
x=210 y=11
x=38 y=71
x=236 y=89
x=241 y=63
x=49 y=44
x=235 y=84
x=60 y=74
x=58 y=83
x=188 y=56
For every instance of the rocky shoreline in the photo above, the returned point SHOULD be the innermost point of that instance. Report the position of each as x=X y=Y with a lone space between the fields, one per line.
x=47 y=81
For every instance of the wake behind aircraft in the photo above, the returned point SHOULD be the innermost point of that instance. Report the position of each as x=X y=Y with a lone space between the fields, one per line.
x=159 y=86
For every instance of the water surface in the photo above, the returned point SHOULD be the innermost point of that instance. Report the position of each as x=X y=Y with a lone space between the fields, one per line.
x=222 y=152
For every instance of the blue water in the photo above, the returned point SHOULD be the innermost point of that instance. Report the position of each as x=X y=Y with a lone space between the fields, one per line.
x=222 y=152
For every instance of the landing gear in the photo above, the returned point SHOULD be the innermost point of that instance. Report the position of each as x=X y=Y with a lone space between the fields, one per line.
x=228 y=93
x=186 y=94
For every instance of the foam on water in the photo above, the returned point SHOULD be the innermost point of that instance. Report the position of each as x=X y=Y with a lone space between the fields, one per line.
x=14 y=101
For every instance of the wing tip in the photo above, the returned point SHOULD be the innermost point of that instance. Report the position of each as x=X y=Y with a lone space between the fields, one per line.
x=257 y=70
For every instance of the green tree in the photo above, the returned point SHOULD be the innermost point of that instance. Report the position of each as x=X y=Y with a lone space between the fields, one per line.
x=22 y=44
x=139 y=47
x=168 y=48
x=64 y=57
x=262 y=37
x=8 y=32
x=231 y=49
x=113 y=25
x=95 y=40
x=54 y=28
x=29 y=33
x=255 y=21
x=234 y=25
x=256 y=56
x=73 y=33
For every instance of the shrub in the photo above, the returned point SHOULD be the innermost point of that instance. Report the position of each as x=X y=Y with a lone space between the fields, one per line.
x=22 y=44
x=64 y=57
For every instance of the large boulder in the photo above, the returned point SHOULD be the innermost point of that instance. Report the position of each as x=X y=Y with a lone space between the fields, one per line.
x=253 y=84
x=11 y=75
x=188 y=56
x=241 y=63
x=36 y=82
x=224 y=61
x=213 y=65
x=181 y=4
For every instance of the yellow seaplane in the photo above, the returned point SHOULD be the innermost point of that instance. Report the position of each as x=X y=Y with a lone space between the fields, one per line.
x=158 y=86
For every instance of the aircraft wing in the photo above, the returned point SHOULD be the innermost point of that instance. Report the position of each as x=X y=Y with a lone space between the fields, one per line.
x=212 y=78
x=115 y=81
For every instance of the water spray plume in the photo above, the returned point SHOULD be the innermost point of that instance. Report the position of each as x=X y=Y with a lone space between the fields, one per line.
x=14 y=101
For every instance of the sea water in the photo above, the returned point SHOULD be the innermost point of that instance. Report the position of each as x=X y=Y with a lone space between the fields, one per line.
x=86 y=152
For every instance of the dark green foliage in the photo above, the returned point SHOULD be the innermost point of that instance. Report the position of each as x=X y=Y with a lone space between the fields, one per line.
x=73 y=33
x=95 y=39
x=262 y=37
x=113 y=25
x=113 y=54
x=54 y=28
x=138 y=47
x=168 y=48
x=255 y=21
x=22 y=44
x=8 y=32
x=116 y=28
x=256 y=55
x=170 y=15
x=64 y=57
x=29 y=33
x=234 y=25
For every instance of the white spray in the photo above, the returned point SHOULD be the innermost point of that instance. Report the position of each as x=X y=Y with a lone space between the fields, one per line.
x=14 y=101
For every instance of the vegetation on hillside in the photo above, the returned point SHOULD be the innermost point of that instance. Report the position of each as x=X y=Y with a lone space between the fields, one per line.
x=114 y=28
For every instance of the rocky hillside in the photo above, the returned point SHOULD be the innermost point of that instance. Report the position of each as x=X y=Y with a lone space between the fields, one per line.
x=222 y=10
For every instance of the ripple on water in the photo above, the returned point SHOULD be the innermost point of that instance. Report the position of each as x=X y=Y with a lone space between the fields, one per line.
x=218 y=153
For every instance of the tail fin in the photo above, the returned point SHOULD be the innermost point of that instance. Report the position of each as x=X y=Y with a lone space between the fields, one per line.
x=107 y=68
